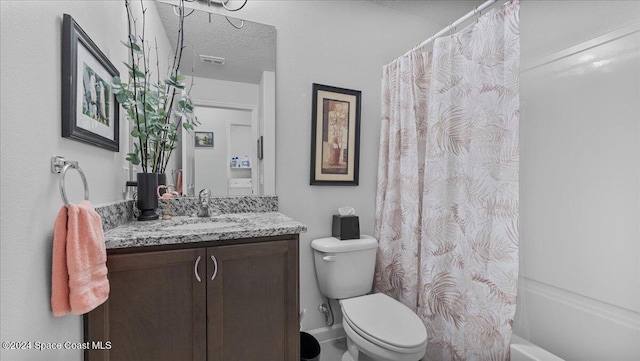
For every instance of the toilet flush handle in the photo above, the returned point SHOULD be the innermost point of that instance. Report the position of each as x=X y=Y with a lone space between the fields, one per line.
x=329 y=258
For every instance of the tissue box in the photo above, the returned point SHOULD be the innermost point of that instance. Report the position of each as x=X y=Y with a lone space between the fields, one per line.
x=345 y=227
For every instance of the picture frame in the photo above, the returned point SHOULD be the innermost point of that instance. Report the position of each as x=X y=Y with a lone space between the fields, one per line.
x=90 y=111
x=203 y=140
x=335 y=136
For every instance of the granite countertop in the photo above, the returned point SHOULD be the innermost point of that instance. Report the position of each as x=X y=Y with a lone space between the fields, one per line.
x=184 y=229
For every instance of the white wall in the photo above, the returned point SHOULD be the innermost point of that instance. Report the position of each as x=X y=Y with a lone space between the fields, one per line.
x=580 y=179
x=30 y=128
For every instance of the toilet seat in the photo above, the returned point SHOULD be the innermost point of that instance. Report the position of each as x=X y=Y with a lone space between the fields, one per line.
x=385 y=322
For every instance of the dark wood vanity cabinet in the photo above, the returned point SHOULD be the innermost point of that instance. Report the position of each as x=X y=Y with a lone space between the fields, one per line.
x=157 y=309
x=219 y=303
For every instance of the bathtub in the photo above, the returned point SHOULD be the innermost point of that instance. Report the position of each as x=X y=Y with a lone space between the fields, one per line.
x=523 y=350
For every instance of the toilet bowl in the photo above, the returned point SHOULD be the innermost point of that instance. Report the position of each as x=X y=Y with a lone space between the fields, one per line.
x=377 y=326
x=382 y=329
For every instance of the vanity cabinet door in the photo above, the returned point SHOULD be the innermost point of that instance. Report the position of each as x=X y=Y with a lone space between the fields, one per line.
x=156 y=308
x=252 y=302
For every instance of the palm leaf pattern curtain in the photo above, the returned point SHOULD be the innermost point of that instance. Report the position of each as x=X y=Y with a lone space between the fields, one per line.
x=447 y=200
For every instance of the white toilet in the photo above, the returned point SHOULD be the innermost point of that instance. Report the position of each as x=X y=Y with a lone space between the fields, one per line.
x=377 y=326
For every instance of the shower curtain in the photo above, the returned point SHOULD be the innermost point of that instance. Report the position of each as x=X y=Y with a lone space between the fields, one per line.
x=447 y=197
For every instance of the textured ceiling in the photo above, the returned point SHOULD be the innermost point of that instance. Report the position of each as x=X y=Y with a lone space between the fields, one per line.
x=248 y=51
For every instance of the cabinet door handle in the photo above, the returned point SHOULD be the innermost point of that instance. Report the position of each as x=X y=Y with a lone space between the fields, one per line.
x=215 y=270
x=195 y=269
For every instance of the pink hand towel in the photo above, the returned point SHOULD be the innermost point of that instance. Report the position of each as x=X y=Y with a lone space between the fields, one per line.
x=79 y=266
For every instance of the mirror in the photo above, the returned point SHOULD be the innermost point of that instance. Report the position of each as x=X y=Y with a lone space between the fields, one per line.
x=232 y=62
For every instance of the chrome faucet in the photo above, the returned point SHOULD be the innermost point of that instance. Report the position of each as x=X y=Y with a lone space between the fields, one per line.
x=203 y=198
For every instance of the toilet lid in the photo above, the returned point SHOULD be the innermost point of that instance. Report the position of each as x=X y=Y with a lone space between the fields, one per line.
x=380 y=317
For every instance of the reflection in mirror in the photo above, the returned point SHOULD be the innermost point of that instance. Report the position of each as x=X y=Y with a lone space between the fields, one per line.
x=233 y=89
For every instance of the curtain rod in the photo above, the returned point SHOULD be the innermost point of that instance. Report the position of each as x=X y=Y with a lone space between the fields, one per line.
x=471 y=13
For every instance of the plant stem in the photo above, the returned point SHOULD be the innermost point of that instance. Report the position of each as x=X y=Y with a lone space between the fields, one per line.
x=146 y=76
x=158 y=152
x=173 y=75
x=133 y=61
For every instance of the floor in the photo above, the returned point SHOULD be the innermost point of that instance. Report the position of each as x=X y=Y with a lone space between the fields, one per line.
x=332 y=350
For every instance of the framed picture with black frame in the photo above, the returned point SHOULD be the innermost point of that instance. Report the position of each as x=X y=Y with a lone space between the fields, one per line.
x=335 y=136
x=90 y=112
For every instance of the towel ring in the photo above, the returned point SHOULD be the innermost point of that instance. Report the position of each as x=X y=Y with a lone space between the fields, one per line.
x=61 y=166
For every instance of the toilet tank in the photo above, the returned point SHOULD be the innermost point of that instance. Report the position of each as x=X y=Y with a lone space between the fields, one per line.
x=345 y=268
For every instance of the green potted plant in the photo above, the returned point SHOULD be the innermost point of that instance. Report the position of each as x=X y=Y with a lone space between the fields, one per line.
x=157 y=106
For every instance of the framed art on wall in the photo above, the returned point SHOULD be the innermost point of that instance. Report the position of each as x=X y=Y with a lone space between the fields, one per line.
x=204 y=139
x=335 y=136
x=90 y=112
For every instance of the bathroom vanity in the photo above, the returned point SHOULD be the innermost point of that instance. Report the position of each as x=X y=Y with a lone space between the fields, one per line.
x=217 y=288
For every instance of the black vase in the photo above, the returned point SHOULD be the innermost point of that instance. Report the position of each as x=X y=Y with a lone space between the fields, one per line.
x=147 y=196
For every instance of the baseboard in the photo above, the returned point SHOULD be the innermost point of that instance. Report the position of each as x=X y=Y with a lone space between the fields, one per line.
x=328 y=333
